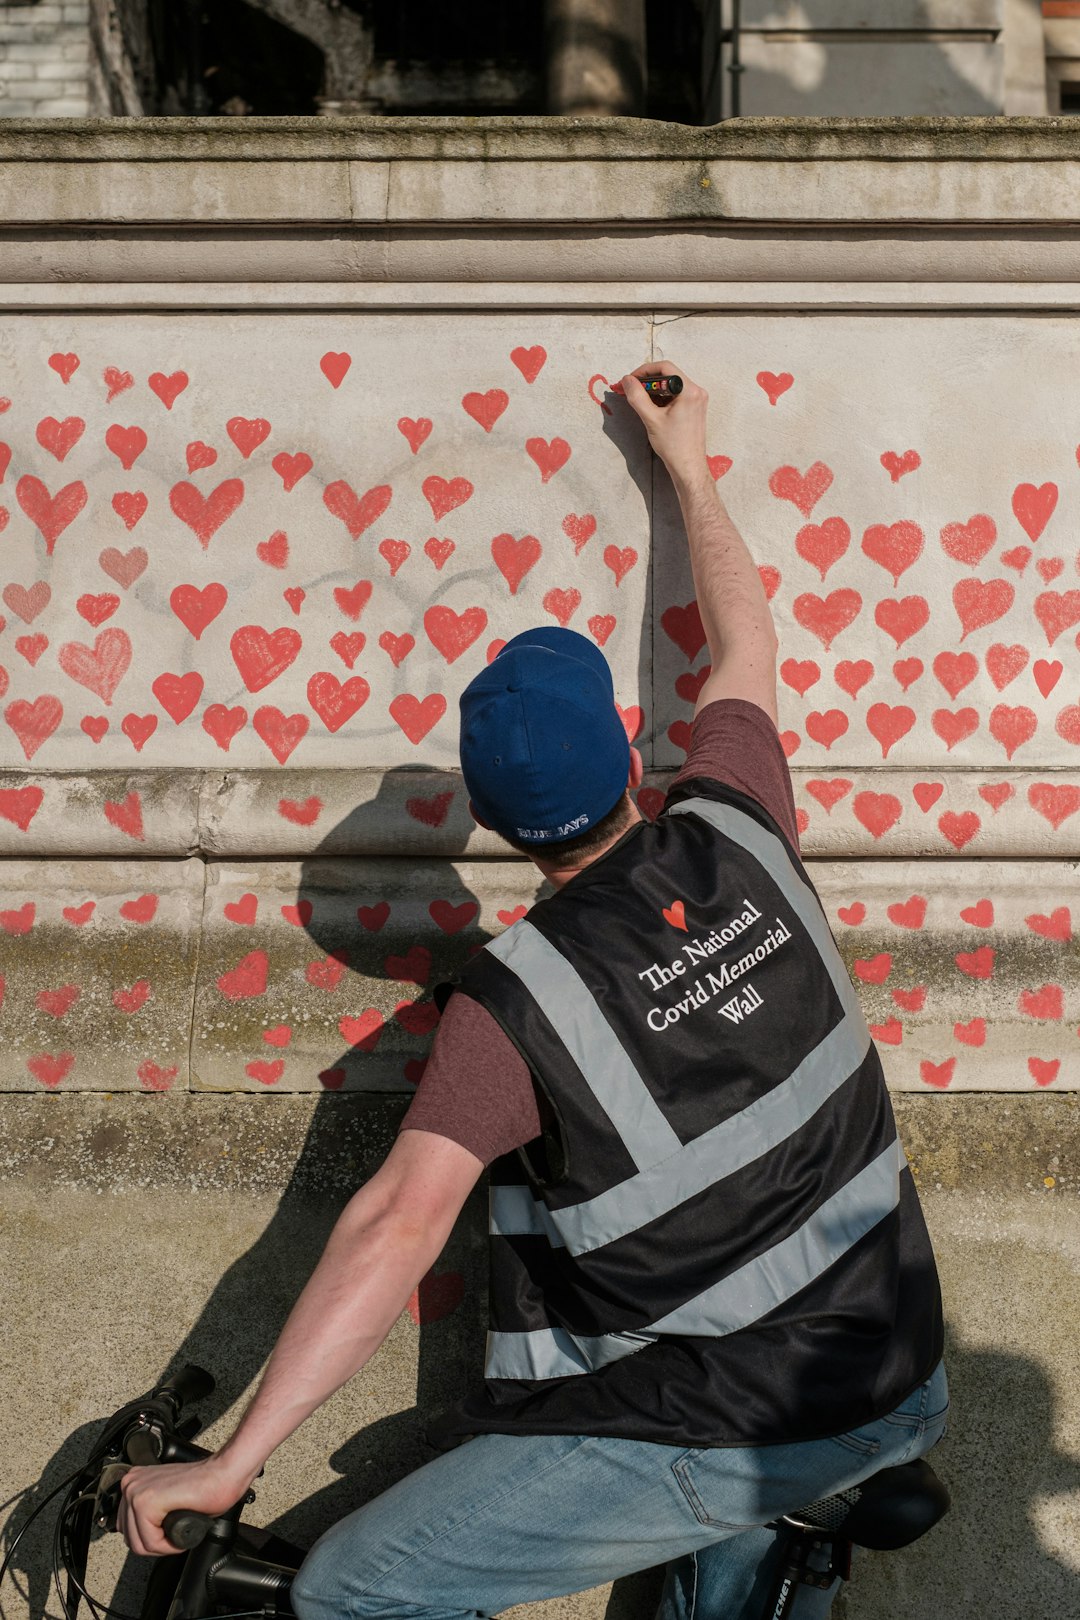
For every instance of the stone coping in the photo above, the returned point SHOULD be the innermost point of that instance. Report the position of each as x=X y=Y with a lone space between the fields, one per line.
x=978 y=1142
x=510 y=139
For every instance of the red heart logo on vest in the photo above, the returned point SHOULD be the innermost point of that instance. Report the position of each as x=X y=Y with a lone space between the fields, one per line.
x=675 y=914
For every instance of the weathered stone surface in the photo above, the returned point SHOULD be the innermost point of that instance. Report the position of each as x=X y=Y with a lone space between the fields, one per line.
x=121 y=813
x=511 y=139
x=97 y=973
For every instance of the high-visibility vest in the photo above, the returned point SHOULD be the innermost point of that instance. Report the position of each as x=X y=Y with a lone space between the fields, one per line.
x=718 y=1240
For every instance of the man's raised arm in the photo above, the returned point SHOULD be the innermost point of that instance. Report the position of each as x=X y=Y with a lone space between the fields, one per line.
x=734 y=609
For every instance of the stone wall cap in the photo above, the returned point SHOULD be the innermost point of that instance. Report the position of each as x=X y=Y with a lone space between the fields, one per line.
x=509 y=139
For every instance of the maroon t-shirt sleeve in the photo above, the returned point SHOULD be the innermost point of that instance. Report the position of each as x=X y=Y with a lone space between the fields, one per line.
x=476 y=1088
x=734 y=741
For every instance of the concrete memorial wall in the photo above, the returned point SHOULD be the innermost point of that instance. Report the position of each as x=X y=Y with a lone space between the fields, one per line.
x=299 y=428
x=300 y=422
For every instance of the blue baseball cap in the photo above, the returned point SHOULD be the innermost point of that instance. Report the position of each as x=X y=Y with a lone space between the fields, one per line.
x=544 y=752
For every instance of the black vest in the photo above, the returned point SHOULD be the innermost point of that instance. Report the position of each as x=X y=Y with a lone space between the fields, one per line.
x=718 y=1240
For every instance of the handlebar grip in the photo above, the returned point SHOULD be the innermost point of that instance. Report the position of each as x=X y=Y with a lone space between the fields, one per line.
x=185 y=1528
x=189 y=1384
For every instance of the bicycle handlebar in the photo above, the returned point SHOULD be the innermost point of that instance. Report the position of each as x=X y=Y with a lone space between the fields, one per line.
x=185 y=1528
x=190 y=1384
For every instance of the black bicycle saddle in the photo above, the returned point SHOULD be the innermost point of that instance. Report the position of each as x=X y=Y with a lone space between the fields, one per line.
x=888 y=1510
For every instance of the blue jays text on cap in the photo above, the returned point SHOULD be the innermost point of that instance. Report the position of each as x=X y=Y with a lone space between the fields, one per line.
x=544 y=752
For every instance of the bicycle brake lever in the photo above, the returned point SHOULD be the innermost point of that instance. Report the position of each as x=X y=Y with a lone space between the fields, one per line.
x=107 y=1499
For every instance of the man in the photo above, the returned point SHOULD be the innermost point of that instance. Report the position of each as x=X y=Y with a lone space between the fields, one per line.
x=713 y=1297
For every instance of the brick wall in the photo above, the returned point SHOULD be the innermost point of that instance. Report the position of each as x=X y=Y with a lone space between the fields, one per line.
x=44 y=59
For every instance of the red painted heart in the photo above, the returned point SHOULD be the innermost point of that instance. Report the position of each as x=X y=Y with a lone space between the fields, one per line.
x=683 y=625
x=123 y=566
x=222 y=723
x=117 y=382
x=262 y=655
x=902 y=619
x=126 y=815
x=247 y=433
x=895 y=546
x=774 y=384
x=205 y=514
x=445 y=495
x=549 y=456
x=28 y=603
x=851 y=677
x=452 y=633
x=178 y=694
x=50 y=1069
x=877 y=812
x=290 y=469
x=21 y=805
x=826 y=617
x=514 y=558
x=348 y=647
x=196 y=608
x=530 y=362
x=486 y=408
x=579 y=530
x=95 y=609
x=1004 y=664
x=99 y=668
x=415 y=430
x=1033 y=506
x=60 y=437
x=822 y=544
x=167 y=388
x=1012 y=727
x=335 y=367
x=129 y=506
x=65 y=365
x=247 y=978
x=803 y=490
x=969 y=542
x=562 y=604
x=1056 y=802
x=416 y=716
x=334 y=701
x=51 y=514
x=897 y=465
x=127 y=444
x=955 y=670
x=280 y=732
x=1057 y=611
x=199 y=455
x=357 y=512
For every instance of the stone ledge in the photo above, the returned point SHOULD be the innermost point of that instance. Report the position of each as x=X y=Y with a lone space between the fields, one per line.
x=510 y=139
x=975 y=1143
x=287 y=813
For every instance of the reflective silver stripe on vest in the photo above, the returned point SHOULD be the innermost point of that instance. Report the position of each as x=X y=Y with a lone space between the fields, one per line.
x=514 y=1212
x=740 y=1299
x=767 y=848
x=571 y=1010
x=784 y=1270
x=555 y=1353
x=719 y=1152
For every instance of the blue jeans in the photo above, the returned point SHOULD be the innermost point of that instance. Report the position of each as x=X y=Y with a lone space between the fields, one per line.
x=507 y=1519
